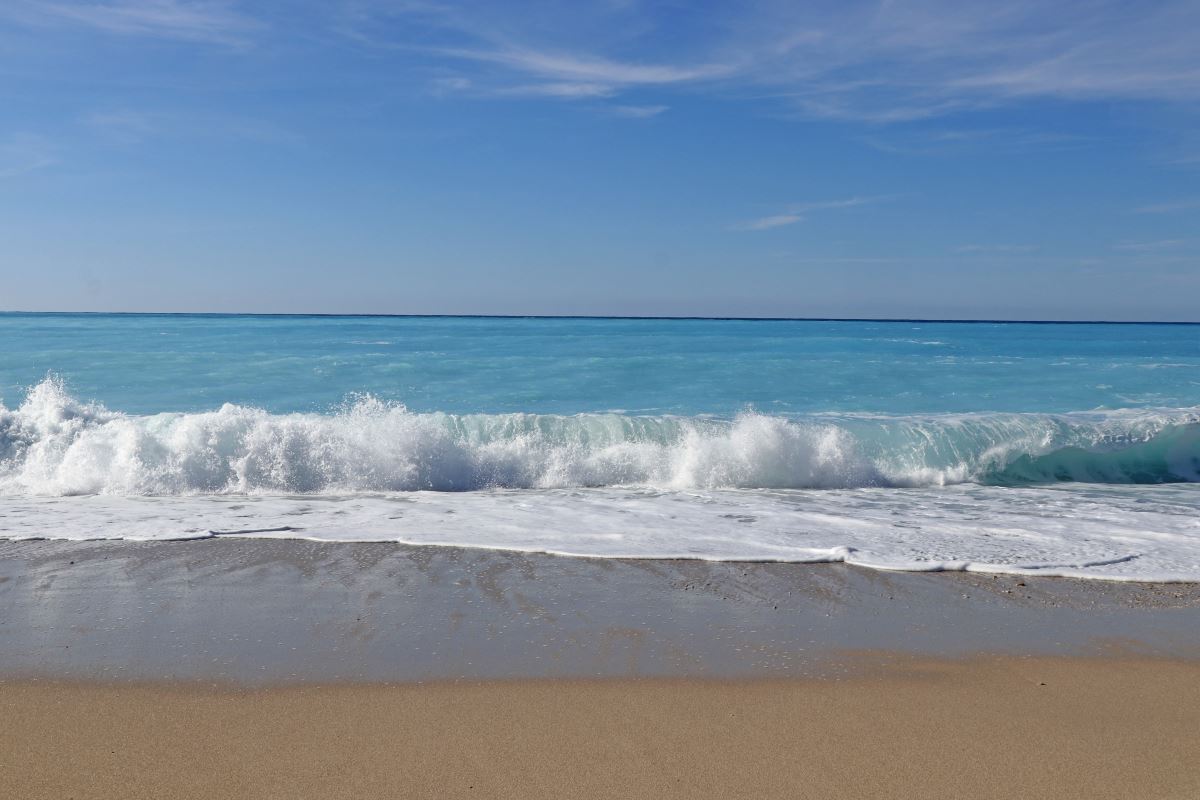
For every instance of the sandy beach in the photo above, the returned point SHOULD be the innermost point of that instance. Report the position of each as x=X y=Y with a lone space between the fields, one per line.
x=983 y=728
x=243 y=668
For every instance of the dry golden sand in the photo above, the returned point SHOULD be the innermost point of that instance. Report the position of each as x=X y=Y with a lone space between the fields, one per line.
x=986 y=728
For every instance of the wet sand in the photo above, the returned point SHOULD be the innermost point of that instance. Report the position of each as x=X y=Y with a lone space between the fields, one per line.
x=260 y=611
x=243 y=668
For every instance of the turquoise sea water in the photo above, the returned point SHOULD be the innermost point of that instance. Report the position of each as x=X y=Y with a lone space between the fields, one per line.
x=150 y=363
x=1060 y=448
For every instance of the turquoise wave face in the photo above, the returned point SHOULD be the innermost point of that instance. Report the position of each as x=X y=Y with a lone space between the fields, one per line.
x=1171 y=455
x=56 y=445
x=151 y=364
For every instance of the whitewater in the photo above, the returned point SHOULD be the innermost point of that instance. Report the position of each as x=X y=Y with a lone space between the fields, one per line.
x=1104 y=492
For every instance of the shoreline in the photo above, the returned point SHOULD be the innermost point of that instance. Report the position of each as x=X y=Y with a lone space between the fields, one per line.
x=261 y=611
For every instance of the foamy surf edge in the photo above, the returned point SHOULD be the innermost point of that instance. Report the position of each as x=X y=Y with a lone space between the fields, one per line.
x=1148 y=535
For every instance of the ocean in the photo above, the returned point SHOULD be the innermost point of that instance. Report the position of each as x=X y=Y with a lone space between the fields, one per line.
x=1047 y=449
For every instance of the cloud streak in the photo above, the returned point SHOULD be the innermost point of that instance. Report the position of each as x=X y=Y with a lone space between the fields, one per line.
x=879 y=63
x=131 y=127
x=211 y=21
x=566 y=67
x=773 y=221
x=799 y=212
x=875 y=62
x=22 y=153
x=1168 y=208
x=637 y=112
x=1009 y=249
x=1152 y=246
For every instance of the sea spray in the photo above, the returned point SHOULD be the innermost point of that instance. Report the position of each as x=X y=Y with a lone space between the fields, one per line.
x=54 y=444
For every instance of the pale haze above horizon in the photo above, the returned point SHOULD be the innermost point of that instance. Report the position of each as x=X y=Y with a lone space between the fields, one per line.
x=951 y=160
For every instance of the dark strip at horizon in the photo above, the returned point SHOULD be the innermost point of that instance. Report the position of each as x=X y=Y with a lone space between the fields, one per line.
x=233 y=314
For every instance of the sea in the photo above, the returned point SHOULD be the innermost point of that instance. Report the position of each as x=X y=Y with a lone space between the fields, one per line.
x=1024 y=448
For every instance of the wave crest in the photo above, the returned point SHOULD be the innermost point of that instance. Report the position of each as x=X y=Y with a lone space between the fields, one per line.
x=54 y=444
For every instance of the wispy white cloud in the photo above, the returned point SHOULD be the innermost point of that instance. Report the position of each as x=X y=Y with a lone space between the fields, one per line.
x=637 y=112
x=880 y=62
x=128 y=127
x=799 y=212
x=773 y=221
x=875 y=62
x=213 y=21
x=1168 y=208
x=132 y=126
x=450 y=84
x=575 y=68
x=523 y=51
x=1149 y=246
x=932 y=142
x=1011 y=249
x=848 y=202
x=566 y=90
x=21 y=153
x=562 y=89
x=894 y=61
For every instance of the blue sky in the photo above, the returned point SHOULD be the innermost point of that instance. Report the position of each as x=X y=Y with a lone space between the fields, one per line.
x=884 y=159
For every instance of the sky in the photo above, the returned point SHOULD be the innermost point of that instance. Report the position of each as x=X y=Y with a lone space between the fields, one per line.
x=940 y=159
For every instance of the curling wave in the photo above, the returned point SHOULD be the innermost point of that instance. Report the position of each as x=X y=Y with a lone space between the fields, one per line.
x=56 y=445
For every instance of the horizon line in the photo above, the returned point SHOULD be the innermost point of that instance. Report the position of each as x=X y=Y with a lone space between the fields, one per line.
x=647 y=317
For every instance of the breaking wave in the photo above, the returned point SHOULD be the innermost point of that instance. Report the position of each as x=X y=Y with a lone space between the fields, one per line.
x=56 y=445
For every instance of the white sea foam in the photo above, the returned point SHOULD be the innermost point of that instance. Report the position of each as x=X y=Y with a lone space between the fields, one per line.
x=53 y=444
x=1113 y=533
x=979 y=491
